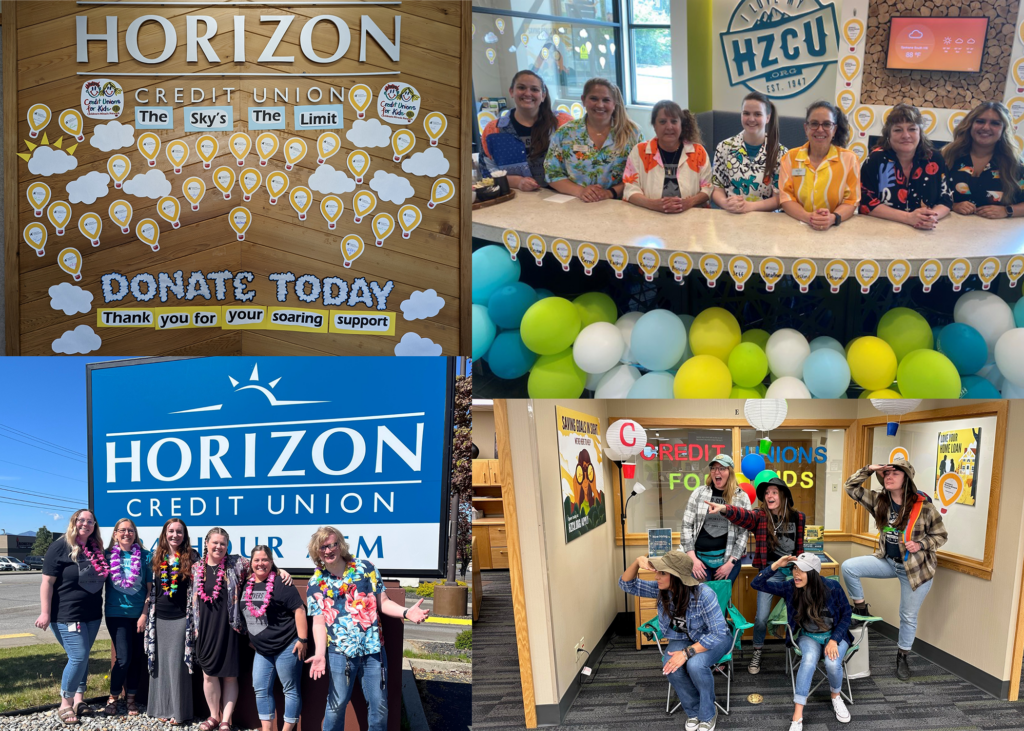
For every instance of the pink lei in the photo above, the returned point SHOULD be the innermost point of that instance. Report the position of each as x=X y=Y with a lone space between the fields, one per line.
x=201 y=581
x=257 y=613
x=97 y=561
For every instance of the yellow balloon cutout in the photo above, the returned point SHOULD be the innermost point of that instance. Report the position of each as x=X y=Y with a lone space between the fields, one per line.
x=148 y=232
x=740 y=269
x=383 y=224
x=804 y=272
x=224 y=179
x=90 y=225
x=359 y=97
x=363 y=203
x=266 y=147
x=987 y=271
x=512 y=242
x=680 y=264
x=119 y=166
x=70 y=120
x=239 y=220
x=177 y=153
x=649 y=260
x=836 y=272
x=959 y=270
x=351 y=249
x=149 y=146
x=301 y=199
x=866 y=272
x=38 y=196
x=193 y=189
x=402 y=143
x=898 y=272
x=169 y=210
x=120 y=212
x=358 y=163
x=588 y=255
x=70 y=260
x=951 y=486
x=35 y=236
x=434 y=124
x=538 y=247
x=711 y=267
x=771 y=270
x=1015 y=269
x=249 y=180
x=240 y=144
x=440 y=192
x=38 y=118
x=331 y=207
x=929 y=273
x=59 y=213
x=327 y=145
x=207 y=147
x=618 y=258
x=294 y=150
x=562 y=251
x=409 y=217
x=277 y=185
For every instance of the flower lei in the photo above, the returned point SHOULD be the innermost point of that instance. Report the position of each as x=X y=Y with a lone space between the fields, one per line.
x=169 y=584
x=257 y=613
x=347 y=579
x=201 y=580
x=97 y=561
x=120 y=580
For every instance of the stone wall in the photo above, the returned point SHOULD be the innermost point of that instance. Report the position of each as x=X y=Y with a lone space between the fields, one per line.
x=939 y=89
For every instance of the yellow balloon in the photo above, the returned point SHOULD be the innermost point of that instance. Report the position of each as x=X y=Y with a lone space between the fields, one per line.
x=703 y=376
x=715 y=332
x=872 y=363
x=883 y=393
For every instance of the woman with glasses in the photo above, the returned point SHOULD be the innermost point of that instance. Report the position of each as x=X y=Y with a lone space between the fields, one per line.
x=129 y=586
x=74 y=571
x=819 y=182
x=984 y=164
x=715 y=545
x=911 y=531
x=346 y=597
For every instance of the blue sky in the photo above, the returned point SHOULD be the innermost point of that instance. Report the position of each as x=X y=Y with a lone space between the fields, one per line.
x=43 y=398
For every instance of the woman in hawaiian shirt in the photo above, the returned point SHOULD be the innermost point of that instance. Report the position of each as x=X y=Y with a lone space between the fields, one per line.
x=904 y=179
x=345 y=598
x=746 y=170
x=984 y=164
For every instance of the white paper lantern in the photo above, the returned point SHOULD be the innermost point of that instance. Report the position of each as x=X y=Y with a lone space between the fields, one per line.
x=765 y=414
x=894 y=407
x=626 y=437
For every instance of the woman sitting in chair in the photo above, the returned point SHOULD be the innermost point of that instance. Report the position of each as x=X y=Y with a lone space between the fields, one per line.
x=692 y=622
x=819 y=616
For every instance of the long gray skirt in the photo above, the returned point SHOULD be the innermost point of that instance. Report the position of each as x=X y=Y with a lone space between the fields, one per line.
x=170 y=692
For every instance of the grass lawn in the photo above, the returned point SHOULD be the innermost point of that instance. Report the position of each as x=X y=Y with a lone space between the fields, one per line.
x=30 y=675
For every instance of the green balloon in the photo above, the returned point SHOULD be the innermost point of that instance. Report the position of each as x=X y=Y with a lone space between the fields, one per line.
x=764 y=475
x=761 y=389
x=556 y=376
x=596 y=307
x=740 y=392
x=927 y=374
x=748 y=365
x=550 y=325
x=906 y=330
x=757 y=336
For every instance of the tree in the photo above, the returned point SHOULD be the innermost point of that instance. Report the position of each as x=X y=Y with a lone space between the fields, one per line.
x=43 y=540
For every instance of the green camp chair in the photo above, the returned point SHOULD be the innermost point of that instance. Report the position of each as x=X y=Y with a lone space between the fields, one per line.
x=793 y=654
x=652 y=631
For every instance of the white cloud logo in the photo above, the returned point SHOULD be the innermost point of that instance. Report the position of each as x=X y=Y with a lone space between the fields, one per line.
x=49 y=161
x=413 y=344
x=112 y=136
x=916 y=34
x=328 y=180
x=80 y=340
x=391 y=188
x=151 y=185
x=430 y=163
x=420 y=305
x=70 y=299
x=369 y=133
x=88 y=188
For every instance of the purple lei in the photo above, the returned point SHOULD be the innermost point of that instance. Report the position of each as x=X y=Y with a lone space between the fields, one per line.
x=116 y=575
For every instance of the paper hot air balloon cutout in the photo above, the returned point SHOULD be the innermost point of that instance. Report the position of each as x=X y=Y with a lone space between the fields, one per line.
x=240 y=144
x=383 y=224
x=277 y=185
x=207 y=147
x=409 y=217
x=59 y=213
x=70 y=260
x=358 y=164
x=38 y=196
x=193 y=189
x=120 y=212
x=327 y=145
x=148 y=232
x=363 y=203
x=434 y=124
x=224 y=179
x=35 y=236
x=239 y=219
x=90 y=225
x=70 y=121
x=169 y=210
x=38 y=118
x=119 y=166
x=359 y=97
x=351 y=249
x=894 y=407
x=149 y=146
x=249 y=181
x=294 y=151
x=266 y=146
x=765 y=415
x=440 y=192
x=332 y=207
x=402 y=143
x=177 y=154
x=301 y=199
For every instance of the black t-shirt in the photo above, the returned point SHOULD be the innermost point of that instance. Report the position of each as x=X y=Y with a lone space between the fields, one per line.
x=671 y=162
x=77 y=595
x=892 y=538
x=275 y=631
x=785 y=541
x=826 y=619
x=714 y=534
x=172 y=607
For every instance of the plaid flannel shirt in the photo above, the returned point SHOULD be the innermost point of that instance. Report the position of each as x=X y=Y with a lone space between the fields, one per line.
x=757 y=521
x=837 y=603
x=925 y=525
x=704 y=620
x=697 y=511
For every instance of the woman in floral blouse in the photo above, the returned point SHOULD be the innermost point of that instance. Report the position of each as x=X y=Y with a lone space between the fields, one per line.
x=904 y=179
x=586 y=157
x=345 y=598
x=746 y=171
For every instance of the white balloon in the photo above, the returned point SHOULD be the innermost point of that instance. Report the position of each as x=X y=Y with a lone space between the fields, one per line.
x=987 y=313
x=1011 y=391
x=617 y=382
x=787 y=349
x=990 y=372
x=625 y=325
x=592 y=380
x=598 y=347
x=1009 y=353
x=787 y=387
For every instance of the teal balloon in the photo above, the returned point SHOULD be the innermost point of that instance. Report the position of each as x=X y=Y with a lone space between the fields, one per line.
x=825 y=341
x=1018 y=312
x=544 y=293
x=977 y=387
x=508 y=357
x=492 y=268
x=658 y=340
x=656 y=384
x=483 y=331
x=764 y=475
x=826 y=373
x=509 y=303
x=936 y=331
x=965 y=346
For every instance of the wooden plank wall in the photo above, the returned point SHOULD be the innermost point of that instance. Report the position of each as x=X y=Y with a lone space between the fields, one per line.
x=40 y=66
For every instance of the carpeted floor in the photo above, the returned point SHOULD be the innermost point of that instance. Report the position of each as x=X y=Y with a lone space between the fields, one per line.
x=628 y=689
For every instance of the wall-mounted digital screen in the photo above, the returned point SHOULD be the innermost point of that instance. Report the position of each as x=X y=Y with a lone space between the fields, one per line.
x=937 y=44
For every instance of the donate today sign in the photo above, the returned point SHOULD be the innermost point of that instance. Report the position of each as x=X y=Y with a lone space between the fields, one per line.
x=272 y=448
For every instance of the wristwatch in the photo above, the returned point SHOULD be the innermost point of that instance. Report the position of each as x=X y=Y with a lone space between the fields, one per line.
x=405 y=614
x=303 y=640
x=1009 y=211
x=616 y=196
x=839 y=219
x=690 y=652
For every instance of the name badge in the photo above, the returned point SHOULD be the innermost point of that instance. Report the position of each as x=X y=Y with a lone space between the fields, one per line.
x=581 y=148
x=798 y=172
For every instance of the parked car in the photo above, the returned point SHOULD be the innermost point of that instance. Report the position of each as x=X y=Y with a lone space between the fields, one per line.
x=34 y=562
x=9 y=563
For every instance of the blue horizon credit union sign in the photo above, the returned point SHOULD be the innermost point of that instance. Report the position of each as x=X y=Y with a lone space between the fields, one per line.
x=272 y=448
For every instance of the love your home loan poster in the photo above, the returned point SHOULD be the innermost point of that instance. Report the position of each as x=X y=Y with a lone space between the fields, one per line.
x=582 y=479
x=958 y=452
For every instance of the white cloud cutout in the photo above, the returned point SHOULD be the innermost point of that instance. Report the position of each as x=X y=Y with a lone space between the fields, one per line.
x=328 y=180
x=154 y=184
x=51 y=161
x=70 y=299
x=112 y=136
x=80 y=340
x=413 y=344
x=430 y=163
x=392 y=188
x=420 y=305
x=369 y=133
x=88 y=188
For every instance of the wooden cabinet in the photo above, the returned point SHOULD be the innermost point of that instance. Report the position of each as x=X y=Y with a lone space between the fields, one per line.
x=489 y=530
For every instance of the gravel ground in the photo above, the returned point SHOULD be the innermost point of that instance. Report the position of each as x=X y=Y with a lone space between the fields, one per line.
x=96 y=721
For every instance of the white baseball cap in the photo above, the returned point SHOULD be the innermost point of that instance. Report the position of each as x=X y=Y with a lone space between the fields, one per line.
x=808 y=562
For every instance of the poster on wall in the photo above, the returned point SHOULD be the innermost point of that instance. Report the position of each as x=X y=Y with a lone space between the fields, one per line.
x=581 y=476
x=957 y=453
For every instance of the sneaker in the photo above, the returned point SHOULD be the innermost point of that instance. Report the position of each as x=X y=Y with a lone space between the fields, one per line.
x=797 y=725
x=692 y=724
x=755 y=662
x=902 y=665
x=708 y=725
x=842 y=715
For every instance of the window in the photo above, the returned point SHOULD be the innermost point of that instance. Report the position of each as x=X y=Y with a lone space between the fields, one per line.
x=651 y=44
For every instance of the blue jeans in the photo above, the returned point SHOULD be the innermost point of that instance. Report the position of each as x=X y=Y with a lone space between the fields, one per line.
x=344 y=672
x=77 y=645
x=694 y=682
x=286 y=666
x=812 y=652
x=764 y=608
x=869 y=567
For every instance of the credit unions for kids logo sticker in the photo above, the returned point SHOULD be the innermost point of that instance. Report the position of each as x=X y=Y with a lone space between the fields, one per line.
x=779 y=47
